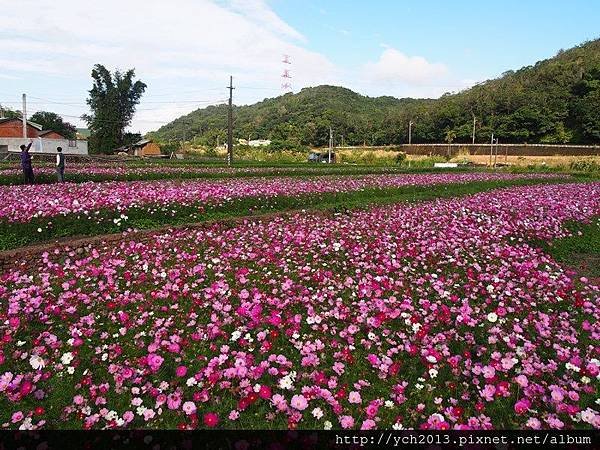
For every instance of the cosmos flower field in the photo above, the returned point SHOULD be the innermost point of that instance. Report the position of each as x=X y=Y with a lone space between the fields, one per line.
x=24 y=203
x=45 y=171
x=435 y=315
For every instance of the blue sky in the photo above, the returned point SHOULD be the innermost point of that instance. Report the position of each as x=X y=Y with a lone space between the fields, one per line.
x=476 y=39
x=185 y=49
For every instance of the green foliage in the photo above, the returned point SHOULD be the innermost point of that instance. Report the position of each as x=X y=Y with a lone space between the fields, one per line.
x=553 y=101
x=112 y=100
x=131 y=138
x=9 y=113
x=585 y=165
x=54 y=122
x=581 y=250
x=400 y=158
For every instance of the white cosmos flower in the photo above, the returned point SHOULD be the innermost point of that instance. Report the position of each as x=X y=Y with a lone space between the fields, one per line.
x=36 y=362
x=327 y=425
x=317 y=413
x=286 y=383
x=66 y=358
x=492 y=317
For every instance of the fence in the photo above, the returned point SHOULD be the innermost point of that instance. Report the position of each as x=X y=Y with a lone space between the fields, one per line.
x=484 y=149
x=40 y=145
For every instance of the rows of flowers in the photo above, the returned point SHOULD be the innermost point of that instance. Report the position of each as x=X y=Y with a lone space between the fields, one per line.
x=430 y=316
x=23 y=203
x=118 y=170
x=78 y=172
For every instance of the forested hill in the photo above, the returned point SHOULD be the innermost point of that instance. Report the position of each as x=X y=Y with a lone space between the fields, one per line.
x=554 y=101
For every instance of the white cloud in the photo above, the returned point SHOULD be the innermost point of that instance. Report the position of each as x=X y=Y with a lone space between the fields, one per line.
x=400 y=75
x=176 y=45
x=395 y=67
x=262 y=15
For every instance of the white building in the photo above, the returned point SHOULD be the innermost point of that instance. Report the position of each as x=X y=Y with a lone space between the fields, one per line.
x=44 y=141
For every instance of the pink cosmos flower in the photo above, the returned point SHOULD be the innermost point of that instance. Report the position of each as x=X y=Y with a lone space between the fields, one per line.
x=148 y=414
x=368 y=424
x=154 y=361
x=264 y=392
x=522 y=406
x=522 y=380
x=189 y=408
x=173 y=401
x=354 y=397
x=211 y=419
x=299 y=402
x=279 y=402
x=128 y=416
x=346 y=421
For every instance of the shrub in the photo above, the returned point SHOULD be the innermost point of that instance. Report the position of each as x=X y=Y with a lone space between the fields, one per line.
x=585 y=165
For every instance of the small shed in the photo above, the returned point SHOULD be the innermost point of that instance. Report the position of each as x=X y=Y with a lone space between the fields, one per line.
x=50 y=134
x=145 y=147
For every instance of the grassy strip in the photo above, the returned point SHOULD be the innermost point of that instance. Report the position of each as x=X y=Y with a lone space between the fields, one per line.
x=15 y=235
x=581 y=251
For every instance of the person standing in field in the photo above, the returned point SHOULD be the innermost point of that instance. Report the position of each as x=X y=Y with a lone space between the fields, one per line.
x=60 y=165
x=26 y=163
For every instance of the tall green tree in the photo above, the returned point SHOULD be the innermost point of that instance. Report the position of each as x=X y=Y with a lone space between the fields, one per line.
x=8 y=113
x=52 y=121
x=112 y=100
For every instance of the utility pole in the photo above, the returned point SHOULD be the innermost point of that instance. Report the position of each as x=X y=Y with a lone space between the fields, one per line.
x=330 y=143
x=491 y=149
x=473 y=128
x=24 y=116
x=410 y=124
x=230 y=123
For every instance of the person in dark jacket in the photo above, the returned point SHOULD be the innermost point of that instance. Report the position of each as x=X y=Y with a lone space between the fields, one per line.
x=26 y=164
x=60 y=165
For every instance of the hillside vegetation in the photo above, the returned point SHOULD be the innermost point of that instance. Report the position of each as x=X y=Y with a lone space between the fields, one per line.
x=554 y=101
